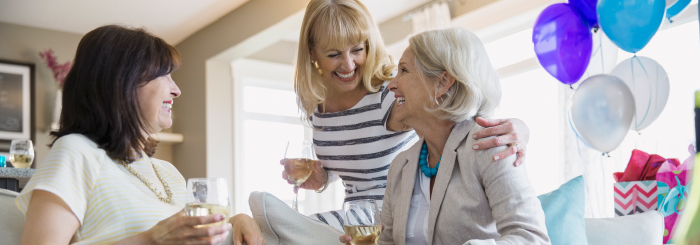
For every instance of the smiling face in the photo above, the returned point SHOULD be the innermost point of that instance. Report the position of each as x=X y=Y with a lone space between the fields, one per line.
x=412 y=95
x=156 y=100
x=342 y=68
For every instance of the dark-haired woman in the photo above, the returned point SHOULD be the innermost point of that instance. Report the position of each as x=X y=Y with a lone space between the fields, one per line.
x=99 y=183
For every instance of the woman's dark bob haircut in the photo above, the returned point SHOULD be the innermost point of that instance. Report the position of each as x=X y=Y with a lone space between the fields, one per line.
x=100 y=91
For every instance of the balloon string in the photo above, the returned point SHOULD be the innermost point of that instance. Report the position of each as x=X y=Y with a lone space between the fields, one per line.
x=602 y=52
x=601 y=202
x=650 y=92
x=571 y=124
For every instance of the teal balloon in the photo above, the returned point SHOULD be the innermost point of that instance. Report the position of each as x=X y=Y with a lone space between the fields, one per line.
x=677 y=8
x=631 y=24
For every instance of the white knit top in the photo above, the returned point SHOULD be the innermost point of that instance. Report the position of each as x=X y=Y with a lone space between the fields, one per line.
x=109 y=201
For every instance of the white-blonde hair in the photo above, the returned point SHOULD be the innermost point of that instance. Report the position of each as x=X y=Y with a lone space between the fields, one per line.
x=336 y=24
x=457 y=51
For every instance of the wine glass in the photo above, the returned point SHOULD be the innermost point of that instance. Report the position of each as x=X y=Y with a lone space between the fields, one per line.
x=21 y=153
x=362 y=221
x=207 y=196
x=299 y=160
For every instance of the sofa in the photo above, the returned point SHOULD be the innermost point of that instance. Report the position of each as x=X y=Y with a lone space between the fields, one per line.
x=282 y=225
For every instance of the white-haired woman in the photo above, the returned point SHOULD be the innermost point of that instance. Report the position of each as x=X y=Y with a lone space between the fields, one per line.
x=441 y=191
x=342 y=72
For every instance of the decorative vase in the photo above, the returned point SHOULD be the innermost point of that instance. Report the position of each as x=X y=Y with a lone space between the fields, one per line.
x=57 y=110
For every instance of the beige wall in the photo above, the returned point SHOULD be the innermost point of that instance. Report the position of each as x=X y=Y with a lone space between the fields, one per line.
x=23 y=44
x=197 y=107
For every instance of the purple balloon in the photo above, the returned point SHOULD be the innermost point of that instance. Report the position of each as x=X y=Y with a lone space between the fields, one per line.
x=563 y=42
x=587 y=9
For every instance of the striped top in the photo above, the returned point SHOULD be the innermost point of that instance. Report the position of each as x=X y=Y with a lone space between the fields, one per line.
x=109 y=201
x=356 y=146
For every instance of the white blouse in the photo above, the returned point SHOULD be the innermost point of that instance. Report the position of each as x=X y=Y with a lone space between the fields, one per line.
x=417 y=227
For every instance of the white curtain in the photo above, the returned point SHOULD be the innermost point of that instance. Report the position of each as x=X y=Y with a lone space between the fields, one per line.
x=434 y=16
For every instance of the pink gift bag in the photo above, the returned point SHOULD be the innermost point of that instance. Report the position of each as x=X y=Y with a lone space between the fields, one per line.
x=672 y=179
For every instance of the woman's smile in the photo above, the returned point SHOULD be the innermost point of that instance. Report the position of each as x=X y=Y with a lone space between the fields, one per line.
x=346 y=77
x=167 y=105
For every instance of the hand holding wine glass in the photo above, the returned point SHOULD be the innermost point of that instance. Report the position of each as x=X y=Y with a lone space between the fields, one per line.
x=207 y=196
x=299 y=162
x=21 y=153
x=362 y=222
x=316 y=180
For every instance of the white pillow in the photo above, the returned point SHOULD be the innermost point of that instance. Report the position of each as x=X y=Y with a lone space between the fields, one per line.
x=639 y=229
x=11 y=219
x=280 y=224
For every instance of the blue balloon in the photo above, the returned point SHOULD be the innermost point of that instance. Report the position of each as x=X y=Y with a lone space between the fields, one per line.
x=587 y=8
x=631 y=24
x=677 y=8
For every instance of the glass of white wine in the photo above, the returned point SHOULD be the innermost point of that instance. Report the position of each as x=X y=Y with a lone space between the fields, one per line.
x=299 y=160
x=207 y=196
x=362 y=221
x=21 y=153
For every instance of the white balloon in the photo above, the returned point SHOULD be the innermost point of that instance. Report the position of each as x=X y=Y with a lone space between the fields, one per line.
x=670 y=3
x=601 y=110
x=650 y=87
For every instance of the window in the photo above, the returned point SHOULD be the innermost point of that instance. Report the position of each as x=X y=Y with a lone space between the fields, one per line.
x=533 y=97
x=554 y=153
x=266 y=117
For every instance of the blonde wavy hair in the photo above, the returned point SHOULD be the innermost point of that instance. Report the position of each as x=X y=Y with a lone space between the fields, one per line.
x=457 y=51
x=336 y=24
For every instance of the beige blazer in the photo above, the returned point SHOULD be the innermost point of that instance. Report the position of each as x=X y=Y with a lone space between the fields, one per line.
x=474 y=200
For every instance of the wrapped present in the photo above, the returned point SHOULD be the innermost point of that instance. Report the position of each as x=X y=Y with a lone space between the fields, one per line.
x=673 y=180
x=642 y=166
x=635 y=197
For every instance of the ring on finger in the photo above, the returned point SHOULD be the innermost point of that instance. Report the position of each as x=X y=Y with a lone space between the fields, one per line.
x=515 y=145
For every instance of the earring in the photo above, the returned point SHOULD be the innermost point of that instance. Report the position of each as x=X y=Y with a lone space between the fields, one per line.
x=320 y=72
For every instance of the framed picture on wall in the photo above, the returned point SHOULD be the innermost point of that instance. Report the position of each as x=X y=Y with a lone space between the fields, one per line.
x=16 y=101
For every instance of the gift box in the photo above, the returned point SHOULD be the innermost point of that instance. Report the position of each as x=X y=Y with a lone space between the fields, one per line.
x=635 y=197
x=673 y=180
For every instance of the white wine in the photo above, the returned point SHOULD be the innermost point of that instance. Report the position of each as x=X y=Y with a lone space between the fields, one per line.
x=298 y=169
x=204 y=209
x=21 y=160
x=363 y=234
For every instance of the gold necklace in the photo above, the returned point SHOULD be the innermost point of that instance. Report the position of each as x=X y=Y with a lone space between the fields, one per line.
x=166 y=199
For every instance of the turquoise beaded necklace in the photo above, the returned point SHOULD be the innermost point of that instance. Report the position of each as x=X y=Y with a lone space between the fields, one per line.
x=423 y=161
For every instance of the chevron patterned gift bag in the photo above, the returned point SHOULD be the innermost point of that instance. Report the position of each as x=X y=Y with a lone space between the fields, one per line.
x=635 y=197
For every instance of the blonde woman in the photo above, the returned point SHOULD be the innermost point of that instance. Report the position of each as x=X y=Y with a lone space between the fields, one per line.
x=441 y=191
x=342 y=71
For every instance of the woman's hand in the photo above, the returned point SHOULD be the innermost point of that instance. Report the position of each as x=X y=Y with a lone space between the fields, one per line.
x=179 y=229
x=345 y=239
x=245 y=229
x=317 y=179
x=509 y=131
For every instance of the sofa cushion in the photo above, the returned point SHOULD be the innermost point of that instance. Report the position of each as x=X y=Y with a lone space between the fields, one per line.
x=639 y=229
x=11 y=219
x=564 y=210
x=280 y=224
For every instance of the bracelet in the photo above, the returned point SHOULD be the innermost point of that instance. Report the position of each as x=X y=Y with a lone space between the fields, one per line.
x=328 y=179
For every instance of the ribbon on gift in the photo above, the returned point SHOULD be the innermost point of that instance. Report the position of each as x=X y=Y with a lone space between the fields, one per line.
x=670 y=204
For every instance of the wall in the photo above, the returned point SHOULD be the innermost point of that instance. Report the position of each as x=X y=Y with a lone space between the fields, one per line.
x=23 y=44
x=204 y=109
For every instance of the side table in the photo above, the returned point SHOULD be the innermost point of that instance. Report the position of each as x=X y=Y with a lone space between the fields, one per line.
x=14 y=179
